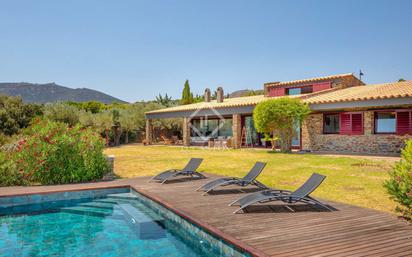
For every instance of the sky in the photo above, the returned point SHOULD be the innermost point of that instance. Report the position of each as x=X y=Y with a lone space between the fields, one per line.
x=135 y=50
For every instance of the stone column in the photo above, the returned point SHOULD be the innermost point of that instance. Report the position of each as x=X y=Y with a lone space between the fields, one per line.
x=149 y=132
x=237 y=130
x=186 y=131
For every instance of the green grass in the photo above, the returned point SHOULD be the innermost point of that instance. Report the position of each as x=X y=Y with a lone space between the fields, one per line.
x=350 y=180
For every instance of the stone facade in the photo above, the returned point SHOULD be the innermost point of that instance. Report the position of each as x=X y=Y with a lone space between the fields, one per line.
x=186 y=131
x=347 y=82
x=149 y=132
x=313 y=138
x=237 y=130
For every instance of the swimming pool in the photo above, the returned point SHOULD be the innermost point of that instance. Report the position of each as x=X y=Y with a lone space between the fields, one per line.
x=107 y=222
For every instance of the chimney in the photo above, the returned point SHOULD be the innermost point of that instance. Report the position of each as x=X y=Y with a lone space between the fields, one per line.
x=207 y=95
x=219 y=95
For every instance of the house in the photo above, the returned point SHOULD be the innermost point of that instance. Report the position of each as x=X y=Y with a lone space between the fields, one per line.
x=346 y=116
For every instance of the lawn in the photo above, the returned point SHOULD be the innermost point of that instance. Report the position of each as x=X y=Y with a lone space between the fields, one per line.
x=350 y=180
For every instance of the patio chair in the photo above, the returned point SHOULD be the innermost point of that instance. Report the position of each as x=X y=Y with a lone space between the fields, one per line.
x=166 y=140
x=188 y=170
x=299 y=195
x=249 y=179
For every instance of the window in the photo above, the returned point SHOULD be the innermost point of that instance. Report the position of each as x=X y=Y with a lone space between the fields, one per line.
x=331 y=123
x=225 y=128
x=385 y=122
x=351 y=123
x=293 y=91
x=299 y=90
x=211 y=128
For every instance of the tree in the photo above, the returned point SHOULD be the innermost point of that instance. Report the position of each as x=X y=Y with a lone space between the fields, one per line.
x=401 y=80
x=198 y=98
x=117 y=127
x=399 y=185
x=62 y=112
x=164 y=100
x=15 y=115
x=104 y=121
x=281 y=118
x=128 y=122
x=87 y=119
x=187 y=96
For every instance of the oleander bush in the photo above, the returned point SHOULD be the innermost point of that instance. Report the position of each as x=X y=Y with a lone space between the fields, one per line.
x=399 y=185
x=55 y=153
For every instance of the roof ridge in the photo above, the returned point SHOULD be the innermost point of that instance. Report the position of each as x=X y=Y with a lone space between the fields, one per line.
x=277 y=83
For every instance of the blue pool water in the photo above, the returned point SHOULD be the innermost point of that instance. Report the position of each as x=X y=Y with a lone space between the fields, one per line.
x=120 y=224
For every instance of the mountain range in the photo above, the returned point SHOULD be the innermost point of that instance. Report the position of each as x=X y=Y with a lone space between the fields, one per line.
x=51 y=92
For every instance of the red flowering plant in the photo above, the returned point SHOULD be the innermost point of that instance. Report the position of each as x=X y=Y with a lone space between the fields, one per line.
x=54 y=153
x=399 y=185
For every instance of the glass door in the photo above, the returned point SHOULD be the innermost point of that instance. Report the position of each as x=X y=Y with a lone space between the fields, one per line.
x=296 y=136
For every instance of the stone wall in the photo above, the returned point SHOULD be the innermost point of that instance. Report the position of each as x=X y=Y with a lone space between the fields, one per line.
x=186 y=131
x=313 y=138
x=149 y=132
x=237 y=130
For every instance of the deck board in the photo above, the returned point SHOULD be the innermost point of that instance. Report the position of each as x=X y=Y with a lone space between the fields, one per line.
x=274 y=230
x=348 y=231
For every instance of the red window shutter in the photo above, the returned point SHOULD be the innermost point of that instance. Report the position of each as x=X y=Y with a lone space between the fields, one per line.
x=351 y=124
x=276 y=91
x=345 y=124
x=357 y=124
x=321 y=86
x=403 y=122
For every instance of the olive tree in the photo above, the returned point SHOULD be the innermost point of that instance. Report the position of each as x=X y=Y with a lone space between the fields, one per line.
x=87 y=119
x=104 y=121
x=62 y=112
x=130 y=119
x=280 y=117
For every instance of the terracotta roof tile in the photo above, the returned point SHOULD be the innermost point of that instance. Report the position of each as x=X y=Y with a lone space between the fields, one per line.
x=360 y=93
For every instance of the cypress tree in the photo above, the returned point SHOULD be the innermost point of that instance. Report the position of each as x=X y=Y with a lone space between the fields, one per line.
x=187 y=96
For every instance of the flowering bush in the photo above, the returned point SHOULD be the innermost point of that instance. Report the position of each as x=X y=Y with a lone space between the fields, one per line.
x=54 y=153
x=399 y=186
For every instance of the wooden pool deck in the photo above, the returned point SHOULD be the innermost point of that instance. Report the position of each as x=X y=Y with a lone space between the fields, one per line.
x=273 y=230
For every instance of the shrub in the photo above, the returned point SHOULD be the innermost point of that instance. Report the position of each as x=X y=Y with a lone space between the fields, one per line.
x=399 y=185
x=8 y=172
x=54 y=153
